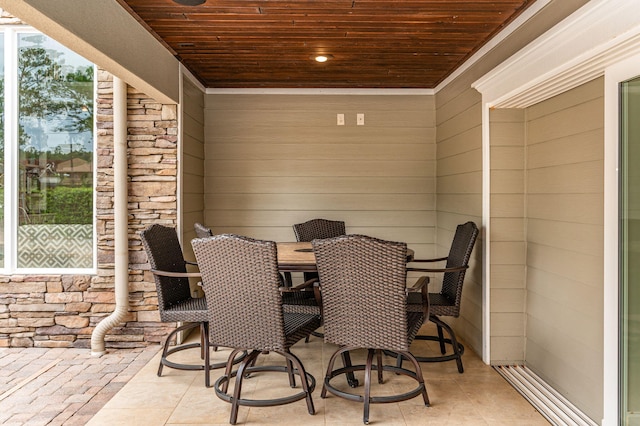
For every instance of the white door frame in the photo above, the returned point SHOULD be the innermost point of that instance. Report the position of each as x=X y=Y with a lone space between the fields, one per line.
x=601 y=38
x=614 y=75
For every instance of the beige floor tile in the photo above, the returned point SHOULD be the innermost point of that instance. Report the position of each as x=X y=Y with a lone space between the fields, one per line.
x=200 y=405
x=154 y=393
x=478 y=397
x=131 y=417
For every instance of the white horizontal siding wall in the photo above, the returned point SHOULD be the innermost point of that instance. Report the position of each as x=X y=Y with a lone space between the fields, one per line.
x=193 y=163
x=273 y=160
x=565 y=232
x=508 y=247
x=459 y=189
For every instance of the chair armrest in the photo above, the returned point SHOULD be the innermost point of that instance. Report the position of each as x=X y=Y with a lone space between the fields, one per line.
x=453 y=269
x=439 y=259
x=419 y=285
x=422 y=286
x=305 y=286
x=309 y=285
x=176 y=274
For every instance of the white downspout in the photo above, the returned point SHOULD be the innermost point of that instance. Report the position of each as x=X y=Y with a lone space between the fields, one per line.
x=120 y=196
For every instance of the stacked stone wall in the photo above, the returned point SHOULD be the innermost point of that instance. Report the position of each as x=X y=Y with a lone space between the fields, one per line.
x=63 y=310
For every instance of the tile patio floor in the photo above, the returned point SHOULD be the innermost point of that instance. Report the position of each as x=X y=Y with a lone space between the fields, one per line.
x=478 y=397
x=69 y=387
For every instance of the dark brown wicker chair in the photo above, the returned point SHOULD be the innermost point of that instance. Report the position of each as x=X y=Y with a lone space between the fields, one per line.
x=309 y=231
x=447 y=301
x=318 y=228
x=174 y=294
x=241 y=281
x=202 y=231
x=363 y=285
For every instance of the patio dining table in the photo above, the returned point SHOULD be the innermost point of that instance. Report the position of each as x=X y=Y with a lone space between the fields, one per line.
x=296 y=257
x=299 y=257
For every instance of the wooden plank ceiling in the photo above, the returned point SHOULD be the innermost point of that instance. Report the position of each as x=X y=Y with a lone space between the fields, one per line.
x=373 y=43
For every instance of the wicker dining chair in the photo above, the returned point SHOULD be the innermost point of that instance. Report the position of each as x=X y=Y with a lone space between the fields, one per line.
x=241 y=282
x=309 y=231
x=447 y=301
x=302 y=300
x=318 y=228
x=175 y=302
x=306 y=232
x=363 y=286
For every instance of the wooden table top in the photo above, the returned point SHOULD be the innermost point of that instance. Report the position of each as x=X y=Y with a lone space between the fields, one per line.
x=299 y=256
x=296 y=256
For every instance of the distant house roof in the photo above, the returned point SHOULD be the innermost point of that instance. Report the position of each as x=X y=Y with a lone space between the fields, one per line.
x=76 y=165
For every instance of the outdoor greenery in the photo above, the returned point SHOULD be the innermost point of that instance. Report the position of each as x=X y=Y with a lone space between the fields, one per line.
x=55 y=98
x=53 y=138
x=70 y=205
x=47 y=93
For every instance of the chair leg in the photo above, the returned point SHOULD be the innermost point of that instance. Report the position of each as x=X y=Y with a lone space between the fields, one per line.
x=367 y=386
x=292 y=377
x=443 y=350
x=204 y=336
x=231 y=362
x=458 y=349
x=419 y=377
x=351 y=378
x=327 y=376
x=295 y=361
x=379 y=358
x=238 y=386
x=166 y=351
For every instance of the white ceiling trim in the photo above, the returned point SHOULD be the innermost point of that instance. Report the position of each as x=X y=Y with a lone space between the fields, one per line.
x=575 y=51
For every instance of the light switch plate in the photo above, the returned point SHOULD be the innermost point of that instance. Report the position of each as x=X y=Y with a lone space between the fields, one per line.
x=340 y=118
x=360 y=119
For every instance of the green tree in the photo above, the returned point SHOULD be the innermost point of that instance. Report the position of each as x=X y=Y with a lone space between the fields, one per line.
x=54 y=97
x=46 y=92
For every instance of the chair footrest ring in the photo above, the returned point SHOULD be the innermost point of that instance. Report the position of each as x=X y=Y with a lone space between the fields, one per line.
x=439 y=358
x=263 y=402
x=179 y=366
x=374 y=399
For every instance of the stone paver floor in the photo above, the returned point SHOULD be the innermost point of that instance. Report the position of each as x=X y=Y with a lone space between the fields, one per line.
x=63 y=386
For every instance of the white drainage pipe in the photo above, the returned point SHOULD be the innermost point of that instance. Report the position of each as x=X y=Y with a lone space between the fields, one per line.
x=121 y=234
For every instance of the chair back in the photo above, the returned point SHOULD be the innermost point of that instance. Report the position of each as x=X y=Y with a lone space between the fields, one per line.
x=164 y=253
x=363 y=285
x=318 y=228
x=240 y=281
x=202 y=231
x=459 y=255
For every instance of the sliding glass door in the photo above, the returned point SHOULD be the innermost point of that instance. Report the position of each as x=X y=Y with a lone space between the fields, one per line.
x=630 y=252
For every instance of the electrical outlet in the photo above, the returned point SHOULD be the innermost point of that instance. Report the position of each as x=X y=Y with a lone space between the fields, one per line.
x=340 y=119
x=360 y=119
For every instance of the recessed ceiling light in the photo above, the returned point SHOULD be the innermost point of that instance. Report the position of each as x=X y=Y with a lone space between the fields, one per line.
x=190 y=2
x=322 y=58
